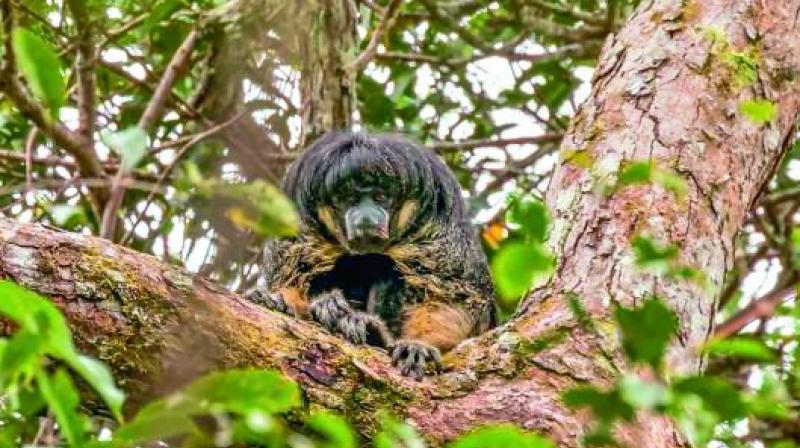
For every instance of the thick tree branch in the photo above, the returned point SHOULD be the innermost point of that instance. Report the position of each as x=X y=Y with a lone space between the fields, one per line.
x=657 y=96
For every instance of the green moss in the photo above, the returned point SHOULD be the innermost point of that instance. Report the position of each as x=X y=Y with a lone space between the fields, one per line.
x=525 y=349
x=743 y=66
x=740 y=66
x=142 y=307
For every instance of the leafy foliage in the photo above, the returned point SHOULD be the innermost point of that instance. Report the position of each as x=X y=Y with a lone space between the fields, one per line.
x=523 y=260
x=41 y=67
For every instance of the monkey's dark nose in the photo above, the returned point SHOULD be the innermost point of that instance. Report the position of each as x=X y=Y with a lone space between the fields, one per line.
x=366 y=226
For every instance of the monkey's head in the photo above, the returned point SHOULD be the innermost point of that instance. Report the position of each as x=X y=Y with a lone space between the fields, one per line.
x=368 y=192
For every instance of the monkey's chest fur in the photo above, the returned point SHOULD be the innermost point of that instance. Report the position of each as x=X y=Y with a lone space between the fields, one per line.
x=370 y=283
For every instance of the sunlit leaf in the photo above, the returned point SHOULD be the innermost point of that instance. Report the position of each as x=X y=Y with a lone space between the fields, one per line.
x=636 y=173
x=501 y=436
x=651 y=255
x=758 y=111
x=642 y=394
x=394 y=434
x=740 y=347
x=529 y=216
x=130 y=144
x=335 y=431
x=646 y=331
x=62 y=399
x=41 y=67
x=518 y=266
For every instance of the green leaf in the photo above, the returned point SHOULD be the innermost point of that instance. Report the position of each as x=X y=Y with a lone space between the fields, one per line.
x=772 y=399
x=636 y=173
x=518 y=266
x=646 y=331
x=395 y=434
x=717 y=394
x=758 y=111
x=40 y=65
x=99 y=377
x=672 y=182
x=740 y=347
x=695 y=419
x=37 y=315
x=650 y=255
x=43 y=329
x=160 y=11
x=501 y=436
x=335 y=430
x=257 y=206
x=529 y=216
x=61 y=397
x=130 y=144
x=155 y=427
x=642 y=394
x=20 y=352
x=245 y=392
x=67 y=216
x=795 y=236
x=606 y=406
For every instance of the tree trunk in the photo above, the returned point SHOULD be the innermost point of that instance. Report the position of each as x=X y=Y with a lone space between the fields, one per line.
x=664 y=92
x=327 y=89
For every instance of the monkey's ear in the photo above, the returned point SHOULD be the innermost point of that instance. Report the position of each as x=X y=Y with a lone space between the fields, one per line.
x=405 y=215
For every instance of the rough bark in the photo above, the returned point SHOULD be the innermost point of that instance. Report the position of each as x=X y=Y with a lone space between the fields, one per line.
x=664 y=91
x=327 y=88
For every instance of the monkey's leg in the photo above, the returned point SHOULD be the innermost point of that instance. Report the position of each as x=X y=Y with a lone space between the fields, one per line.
x=428 y=330
x=286 y=300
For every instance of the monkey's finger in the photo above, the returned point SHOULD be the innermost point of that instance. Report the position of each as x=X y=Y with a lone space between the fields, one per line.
x=436 y=358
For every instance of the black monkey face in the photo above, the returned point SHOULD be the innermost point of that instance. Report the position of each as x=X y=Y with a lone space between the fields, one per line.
x=366 y=192
x=366 y=209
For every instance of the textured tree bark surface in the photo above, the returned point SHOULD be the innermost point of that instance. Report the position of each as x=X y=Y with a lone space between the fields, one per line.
x=665 y=91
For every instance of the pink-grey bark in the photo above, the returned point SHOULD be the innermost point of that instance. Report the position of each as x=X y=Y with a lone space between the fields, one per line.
x=664 y=92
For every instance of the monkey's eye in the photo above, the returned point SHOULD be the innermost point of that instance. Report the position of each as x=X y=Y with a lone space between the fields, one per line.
x=379 y=196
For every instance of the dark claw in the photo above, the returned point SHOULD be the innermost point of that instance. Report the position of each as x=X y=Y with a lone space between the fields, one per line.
x=273 y=301
x=363 y=328
x=329 y=308
x=411 y=357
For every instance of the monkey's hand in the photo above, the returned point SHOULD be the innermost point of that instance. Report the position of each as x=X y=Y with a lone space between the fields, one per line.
x=334 y=313
x=271 y=300
x=364 y=328
x=411 y=357
x=329 y=308
x=288 y=300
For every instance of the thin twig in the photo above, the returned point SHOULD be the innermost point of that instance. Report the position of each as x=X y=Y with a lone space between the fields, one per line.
x=12 y=86
x=86 y=77
x=551 y=137
x=152 y=113
x=30 y=143
x=175 y=68
x=758 y=309
x=197 y=138
x=389 y=16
